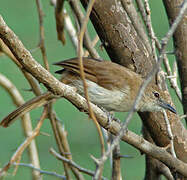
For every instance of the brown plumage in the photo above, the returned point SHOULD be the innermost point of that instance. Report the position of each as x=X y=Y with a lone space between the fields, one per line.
x=105 y=73
x=109 y=85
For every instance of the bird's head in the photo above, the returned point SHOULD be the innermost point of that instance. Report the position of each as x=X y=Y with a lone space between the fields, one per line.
x=153 y=100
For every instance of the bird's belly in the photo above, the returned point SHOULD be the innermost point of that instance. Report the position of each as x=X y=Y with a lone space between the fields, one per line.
x=111 y=100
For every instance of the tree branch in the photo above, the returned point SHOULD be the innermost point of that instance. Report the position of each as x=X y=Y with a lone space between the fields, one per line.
x=55 y=86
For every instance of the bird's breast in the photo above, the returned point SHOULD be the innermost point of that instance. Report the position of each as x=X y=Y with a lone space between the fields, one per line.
x=111 y=100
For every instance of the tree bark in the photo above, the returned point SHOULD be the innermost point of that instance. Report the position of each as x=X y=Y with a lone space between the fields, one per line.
x=125 y=47
x=180 y=44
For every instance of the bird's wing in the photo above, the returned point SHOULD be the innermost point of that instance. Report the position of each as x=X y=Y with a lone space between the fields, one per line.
x=105 y=73
x=113 y=76
x=72 y=65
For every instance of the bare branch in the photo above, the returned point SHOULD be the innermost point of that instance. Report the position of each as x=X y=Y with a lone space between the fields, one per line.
x=62 y=143
x=158 y=45
x=173 y=81
x=32 y=81
x=52 y=117
x=148 y=79
x=93 y=44
x=80 y=49
x=170 y=134
x=87 y=42
x=70 y=29
x=26 y=122
x=56 y=87
x=69 y=161
x=116 y=166
x=150 y=29
x=40 y=171
x=179 y=40
x=42 y=38
x=17 y=155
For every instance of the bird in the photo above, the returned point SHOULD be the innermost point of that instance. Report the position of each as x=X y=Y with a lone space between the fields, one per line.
x=109 y=85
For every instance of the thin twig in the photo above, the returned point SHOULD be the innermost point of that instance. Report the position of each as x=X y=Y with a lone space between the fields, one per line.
x=72 y=163
x=80 y=16
x=116 y=164
x=168 y=126
x=40 y=170
x=56 y=87
x=58 y=138
x=148 y=79
x=17 y=155
x=70 y=29
x=62 y=142
x=60 y=31
x=80 y=48
x=32 y=81
x=158 y=45
x=26 y=122
x=150 y=29
x=65 y=145
x=153 y=45
x=173 y=81
x=42 y=37
x=183 y=116
x=93 y=44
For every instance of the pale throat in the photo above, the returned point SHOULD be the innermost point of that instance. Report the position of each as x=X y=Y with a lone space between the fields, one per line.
x=148 y=105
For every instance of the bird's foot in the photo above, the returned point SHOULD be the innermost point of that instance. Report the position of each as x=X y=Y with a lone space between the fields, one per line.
x=110 y=116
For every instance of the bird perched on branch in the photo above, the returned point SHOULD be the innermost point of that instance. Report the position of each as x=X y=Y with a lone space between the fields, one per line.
x=109 y=85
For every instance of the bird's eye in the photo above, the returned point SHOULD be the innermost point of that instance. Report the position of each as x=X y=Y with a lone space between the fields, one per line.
x=157 y=95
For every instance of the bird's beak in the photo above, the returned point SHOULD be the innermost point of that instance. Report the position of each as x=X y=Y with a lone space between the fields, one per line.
x=167 y=106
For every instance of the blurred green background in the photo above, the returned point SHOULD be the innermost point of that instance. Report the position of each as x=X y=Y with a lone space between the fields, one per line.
x=21 y=16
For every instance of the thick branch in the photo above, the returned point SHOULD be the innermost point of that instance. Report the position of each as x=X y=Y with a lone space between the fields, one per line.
x=118 y=35
x=180 y=43
x=55 y=86
x=125 y=47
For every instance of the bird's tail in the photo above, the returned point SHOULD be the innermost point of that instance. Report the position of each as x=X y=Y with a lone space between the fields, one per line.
x=26 y=107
